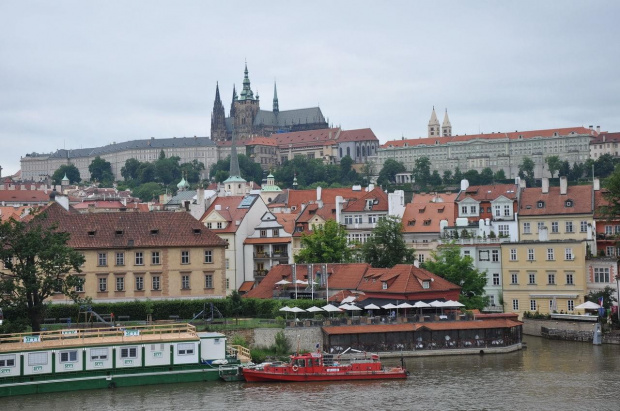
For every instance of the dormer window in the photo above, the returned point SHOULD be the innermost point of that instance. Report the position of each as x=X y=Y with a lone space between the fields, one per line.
x=91 y=233
x=427 y=222
x=411 y=223
x=384 y=285
x=568 y=203
x=540 y=204
x=426 y=284
x=118 y=232
x=196 y=230
x=154 y=231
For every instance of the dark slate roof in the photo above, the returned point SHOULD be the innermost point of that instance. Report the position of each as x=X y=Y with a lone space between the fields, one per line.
x=131 y=145
x=289 y=117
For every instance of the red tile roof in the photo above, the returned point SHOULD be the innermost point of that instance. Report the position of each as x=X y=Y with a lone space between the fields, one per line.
x=246 y=286
x=287 y=221
x=489 y=192
x=9 y=212
x=305 y=138
x=404 y=279
x=24 y=196
x=425 y=217
x=606 y=137
x=328 y=196
x=493 y=136
x=356 y=205
x=554 y=202
x=434 y=197
x=362 y=134
x=121 y=230
x=229 y=211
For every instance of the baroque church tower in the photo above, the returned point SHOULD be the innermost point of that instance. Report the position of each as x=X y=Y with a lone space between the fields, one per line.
x=446 y=127
x=246 y=108
x=433 y=125
x=218 y=118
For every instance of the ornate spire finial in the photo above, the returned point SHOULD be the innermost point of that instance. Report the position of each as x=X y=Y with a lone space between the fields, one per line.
x=276 y=104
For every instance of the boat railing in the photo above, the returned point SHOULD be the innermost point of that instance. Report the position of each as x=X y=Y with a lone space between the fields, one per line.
x=69 y=335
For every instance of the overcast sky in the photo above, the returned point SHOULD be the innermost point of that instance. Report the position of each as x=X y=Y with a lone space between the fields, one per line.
x=77 y=74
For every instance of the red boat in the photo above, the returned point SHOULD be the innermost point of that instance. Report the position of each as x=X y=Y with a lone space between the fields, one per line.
x=318 y=367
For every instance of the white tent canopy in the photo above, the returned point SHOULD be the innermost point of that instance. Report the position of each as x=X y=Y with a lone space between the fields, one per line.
x=331 y=309
x=285 y=308
x=588 y=305
x=436 y=304
x=404 y=305
x=283 y=282
x=297 y=310
x=314 y=309
x=451 y=303
x=372 y=307
x=350 y=307
x=388 y=306
x=421 y=304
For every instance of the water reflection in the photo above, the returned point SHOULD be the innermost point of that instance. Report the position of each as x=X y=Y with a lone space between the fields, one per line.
x=547 y=375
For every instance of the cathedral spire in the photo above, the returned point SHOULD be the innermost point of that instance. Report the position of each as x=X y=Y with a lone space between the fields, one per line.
x=433 y=125
x=446 y=127
x=246 y=93
x=276 y=106
x=232 y=105
x=218 y=118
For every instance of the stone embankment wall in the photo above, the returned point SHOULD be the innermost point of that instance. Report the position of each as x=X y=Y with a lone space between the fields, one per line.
x=566 y=330
x=305 y=337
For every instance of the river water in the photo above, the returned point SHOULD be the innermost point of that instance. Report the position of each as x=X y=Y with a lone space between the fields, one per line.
x=548 y=375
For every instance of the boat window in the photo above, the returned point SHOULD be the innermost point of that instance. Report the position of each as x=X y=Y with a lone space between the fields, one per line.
x=68 y=356
x=97 y=354
x=129 y=352
x=309 y=363
x=7 y=360
x=37 y=358
x=185 y=349
x=302 y=363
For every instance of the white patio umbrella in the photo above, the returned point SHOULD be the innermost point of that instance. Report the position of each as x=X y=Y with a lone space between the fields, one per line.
x=372 y=307
x=349 y=299
x=331 y=309
x=286 y=309
x=314 y=309
x=404 y=305
x=297 y=310
x=388 y=306
x=436 y=304
x=350 y=307
x=421 y=304
x=283 y=282
x=302 y=282
x=451 y=303
x=588 y=305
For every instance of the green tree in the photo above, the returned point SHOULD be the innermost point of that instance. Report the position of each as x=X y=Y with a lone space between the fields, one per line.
x=327 y=244
x=388 y=173
x=448 y=263
x=235 y=303
x=368 y=170
x=576 y=172
x=472 y=176
x=168 y=170
x=486 y=176
x=565 y=169
x=148 y=191
x=71 y=171
x=553 y=164
x=526 y=171
x=146 y=173
x=250 y=170
x=422 y=171
x=604 y=165
x=447 y=177
x=386 y=247
x=192 y=171
x=37 y=263
x=101 y=171
x=346 y=166
x=499 y=175
x=608 y=293
x=458 y=176
x=130 y=170
x=435 y=179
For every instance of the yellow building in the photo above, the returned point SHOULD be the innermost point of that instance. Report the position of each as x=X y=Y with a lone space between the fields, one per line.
x=132 y=256
x=543 y=276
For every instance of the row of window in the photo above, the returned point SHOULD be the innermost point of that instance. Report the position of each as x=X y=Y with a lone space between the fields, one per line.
x=498 y=210
x=514 y=278
x=531 y=256
x=139 y=283
x=555 y=227
x=358 y=218
x=96 y=354
x=570 y=304
x=102 y=258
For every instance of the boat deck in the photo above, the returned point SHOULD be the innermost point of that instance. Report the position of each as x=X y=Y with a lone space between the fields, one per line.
x=100 y=336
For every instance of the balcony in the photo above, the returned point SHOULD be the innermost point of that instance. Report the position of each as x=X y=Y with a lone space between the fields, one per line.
x=474 y=241
x=262 y=255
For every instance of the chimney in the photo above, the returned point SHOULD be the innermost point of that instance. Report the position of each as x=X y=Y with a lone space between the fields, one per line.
x=563 y=185
x=464 y=185
x=318 y=194
x=522 y=183
x=598 y=129
x=545 y=185
x=597 y=184
x=416 y=263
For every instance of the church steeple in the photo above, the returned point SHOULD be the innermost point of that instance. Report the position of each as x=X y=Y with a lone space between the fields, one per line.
x=446 y=127
x=234 y=160
x=433 y=125
x=276 y=106
x=232 y=105
x=246 y=93
x=218 y=118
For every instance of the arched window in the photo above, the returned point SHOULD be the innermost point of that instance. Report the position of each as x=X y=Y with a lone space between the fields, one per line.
x=340 y=152
x=363 y=151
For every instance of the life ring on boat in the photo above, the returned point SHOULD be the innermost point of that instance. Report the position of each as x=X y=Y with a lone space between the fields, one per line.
x=295 y=368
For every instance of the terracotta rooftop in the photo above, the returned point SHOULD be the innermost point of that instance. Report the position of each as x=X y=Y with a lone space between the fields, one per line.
x=425 y=217
x=489 y=192
x=362 y=134
x=379 y=197
x=122 y=230
x=555 y=203
x=295 y=198
x=606 y=137
x=305 y=138
x=24 y=196
x=287 y=221
x=229 y=210
x=434 y=197
x=403 y=279
x=492 y=136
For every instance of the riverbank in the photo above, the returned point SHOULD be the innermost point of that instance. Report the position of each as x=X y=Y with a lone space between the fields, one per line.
x=566 y=330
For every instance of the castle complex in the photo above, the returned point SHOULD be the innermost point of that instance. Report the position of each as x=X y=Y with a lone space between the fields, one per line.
x=246 y=118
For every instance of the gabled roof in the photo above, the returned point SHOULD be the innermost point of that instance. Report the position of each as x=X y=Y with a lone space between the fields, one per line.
x=122 y=230
x=295 y=198
x=313 y=210
x=362 y=134
x=425 y=217
x=606 y=137
x=286 y=118
x=403 y=279
x=229 y=210
x=489 y=192
x=431 y=141
x=287 y=221
x=553 y=202
x=434 y=198
x=15 y=213
x=379 y=197
x=305 y=138
x=24 y=196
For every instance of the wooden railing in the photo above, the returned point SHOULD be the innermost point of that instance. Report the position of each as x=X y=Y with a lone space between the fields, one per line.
x=239 y=351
